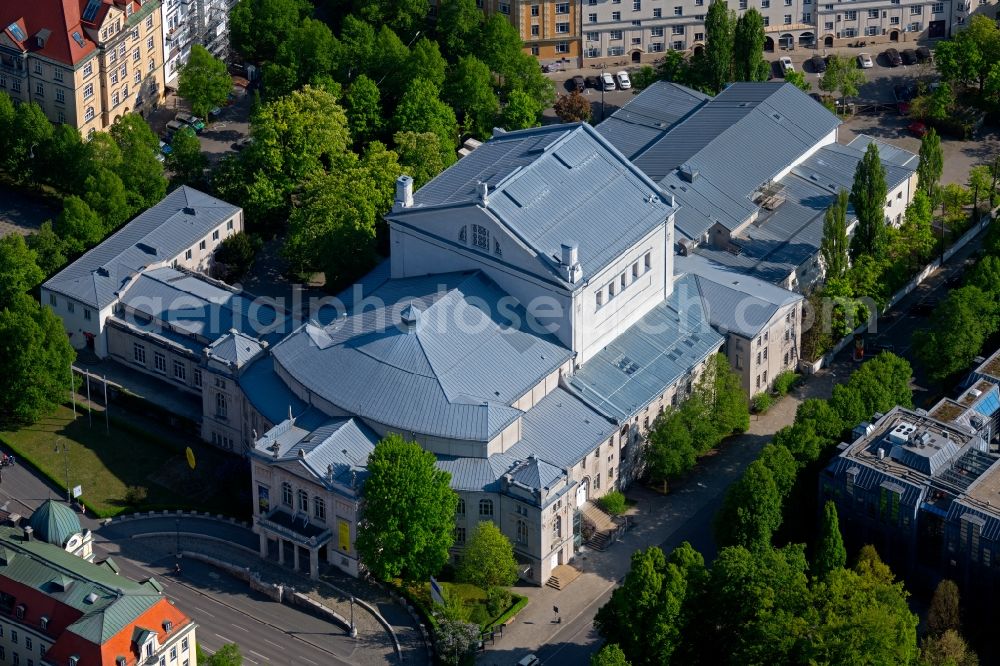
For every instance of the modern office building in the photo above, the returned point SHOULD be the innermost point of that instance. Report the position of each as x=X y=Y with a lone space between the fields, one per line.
x=924 y=486
x=85 y=62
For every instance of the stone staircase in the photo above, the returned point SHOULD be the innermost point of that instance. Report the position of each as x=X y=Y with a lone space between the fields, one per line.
x=603 y=524
x=562 y=576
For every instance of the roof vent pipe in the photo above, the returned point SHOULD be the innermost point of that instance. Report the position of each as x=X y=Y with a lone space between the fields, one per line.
x=483 y=190
x=404 y=193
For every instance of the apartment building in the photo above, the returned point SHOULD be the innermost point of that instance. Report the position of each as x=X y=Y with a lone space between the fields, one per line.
x=57 y=608
x=190 y=22
x=85 y=62
x=639 y=31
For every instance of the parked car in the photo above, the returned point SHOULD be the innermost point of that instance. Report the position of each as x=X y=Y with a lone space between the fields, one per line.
x=909 y=57
x=593 y=82
x=530 y=660
x=904 y=92
x=608 y=81
x=194 y=122
x=818 y=64
x=623 y=81
x=924 y=54
x=173 y=127
x=214 y=112
x=786 y=64
x=917 y=129
x=578 y=83
x=242 y=143
x=893 y=58
x=165 y=148
x=865 y=61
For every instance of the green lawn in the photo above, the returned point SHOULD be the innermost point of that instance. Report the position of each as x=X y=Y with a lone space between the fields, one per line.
x=137 y=452
x=474 y=600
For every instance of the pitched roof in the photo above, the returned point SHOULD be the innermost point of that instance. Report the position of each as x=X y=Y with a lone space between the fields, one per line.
x=653 y=354
x=647 y=116
x=83 y=600
x=553 y=185
x=235 y=348
x=734 y=301
x=57 y=22
x=561 y=429
x=155 y=236
x=336 y=451
x=54 y=522
x=452 y=372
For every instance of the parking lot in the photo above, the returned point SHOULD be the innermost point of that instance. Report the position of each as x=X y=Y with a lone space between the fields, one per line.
x=220 y=133
x=23 y=213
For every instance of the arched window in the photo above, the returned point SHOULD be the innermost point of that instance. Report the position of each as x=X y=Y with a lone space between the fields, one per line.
x=463 y=234
x=486 y=507
x=286 y=493
x=461 y=507
x=557 y=527
x=522 y=532
x=221 y=408
x=303 y=501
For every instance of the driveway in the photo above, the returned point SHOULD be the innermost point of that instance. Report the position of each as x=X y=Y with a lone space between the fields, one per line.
x=22 y=213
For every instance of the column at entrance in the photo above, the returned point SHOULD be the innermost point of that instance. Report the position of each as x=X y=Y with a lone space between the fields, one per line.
x=281 y=550
x=313 y=563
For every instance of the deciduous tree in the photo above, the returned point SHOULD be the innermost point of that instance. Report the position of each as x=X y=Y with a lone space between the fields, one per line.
x=204 y=81
x=186 y=160
x=868 y=199
x=228 y=655
x=421 y=110
x=488 y=558
x=748 y=48
x=948 y=649
x=719 y=26
x=944 y=612
x=18 y=270
x=842 y=75
x=470 y=93
x=751 y=510
x=958 y=329
x=140 y=171
x=258 y=27
x=457 y=26
x=609 y=655
x=408 y=513
x=931 y=164
x=573 y=108
x=106 y=196
x=669 y=451
x=364 y=113
x=835 y=244
x=916 y=233
x=521 y=111
x=48 y=248
x=830 y=552
x=419 y=155
x=78 y=226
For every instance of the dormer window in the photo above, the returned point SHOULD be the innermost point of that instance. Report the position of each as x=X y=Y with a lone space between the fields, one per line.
x=44 y=623
x=19 y=612
x=74 y=660
x=168 y=626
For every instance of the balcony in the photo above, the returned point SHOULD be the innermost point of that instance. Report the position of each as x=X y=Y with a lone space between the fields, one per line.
x=296 y=528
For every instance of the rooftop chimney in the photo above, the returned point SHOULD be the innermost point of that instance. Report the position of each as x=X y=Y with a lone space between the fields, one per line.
x=484 y=190
x=570 y=261
x=404 y=193
x=28 y=531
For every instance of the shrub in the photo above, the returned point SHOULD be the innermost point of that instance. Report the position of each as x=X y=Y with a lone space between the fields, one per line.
x=135 y=495
x=497 y=600
x=785 y=381
x=478 y=615
x=613 y=503
x=762 y=402
x=236 y=253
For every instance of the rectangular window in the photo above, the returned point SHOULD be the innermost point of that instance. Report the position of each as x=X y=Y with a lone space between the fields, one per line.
x=562 y=28
x=562 y=8
x=534 y=10
x=767 y=21
x=86 y=314
x=505 y=8
x=88 y=91
x=319 y=508
x=89 y=115
x=637 y=5
x=115 y=99
x=562 y=47
x=535 y=31
x=871 y=30
x=197 y=378
x=787 y=19
x=173 y=654
x=52 y=302
x=636 y=24
x=656 y=32
x=114 y=78
x=872 y=13
x=678 y=11
x=914 y=27
x=149 y=45
x=616 y=16
x=851 y=15
x=180 y=371
x=60 y=95
x=765 y=4
x=893 y=20
x=937 y=8
x=699 y=36
x=657 y=13
x=215 y=235
x=88 y=69
x=916 y=10
x=677 y=30
x=743 y=4
x=70 y=306
x=615 y=35
x=592 y=18
x=149 y=26
x=159 y=362
x=600 y=298
x=121 y=49
x=677 y=45
x=806 y=17
x=459 y=535
x=828 y=25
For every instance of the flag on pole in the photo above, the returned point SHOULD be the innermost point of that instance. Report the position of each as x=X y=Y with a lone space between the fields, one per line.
x=436 y=594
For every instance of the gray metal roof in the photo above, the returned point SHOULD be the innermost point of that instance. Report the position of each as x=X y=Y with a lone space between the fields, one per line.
x=336 y=451
x=452 y=373
x=235 y=348
x=561 y=429
x=650 y=356
x=549 y=186
x=198 y=307
x=734 y=301
x=646 y=117
x=887 y=151
x=272 y=398
x=159 y=234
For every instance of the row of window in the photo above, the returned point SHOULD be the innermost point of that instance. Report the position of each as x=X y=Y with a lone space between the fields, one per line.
x=318 y=503
x=113 y=30
x=70 y=306
x=57 y=72
x=160 y=364
x=561 y=8
x=618 y=285
x=204 y=244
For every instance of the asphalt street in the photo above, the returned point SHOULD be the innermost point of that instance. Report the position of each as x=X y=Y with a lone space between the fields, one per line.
x=224 y=608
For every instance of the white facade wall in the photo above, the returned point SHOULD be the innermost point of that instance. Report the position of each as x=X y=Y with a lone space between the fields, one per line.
x=632 y=31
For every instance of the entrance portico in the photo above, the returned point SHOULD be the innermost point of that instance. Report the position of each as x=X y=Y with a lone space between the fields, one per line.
x=293 y=540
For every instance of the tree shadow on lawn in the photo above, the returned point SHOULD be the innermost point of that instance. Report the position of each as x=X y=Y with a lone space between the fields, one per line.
x=107 y=464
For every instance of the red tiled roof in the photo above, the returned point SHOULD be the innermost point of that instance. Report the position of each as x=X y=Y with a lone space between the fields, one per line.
x=60 y=17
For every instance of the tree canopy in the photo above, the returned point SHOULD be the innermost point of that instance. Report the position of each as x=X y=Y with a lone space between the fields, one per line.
x=203 y=81
x=835 y=245
x=868 y=195
x=408 y=513
x=488 y=558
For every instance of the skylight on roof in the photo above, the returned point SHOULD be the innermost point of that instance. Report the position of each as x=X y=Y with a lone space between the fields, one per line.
x=91 y=11
x=15 y=30
x=78 y=38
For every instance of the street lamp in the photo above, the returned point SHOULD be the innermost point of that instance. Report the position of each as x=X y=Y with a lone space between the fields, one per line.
x=354 y=630
x=604 y=67
x=65 y=452
x=177 y=531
